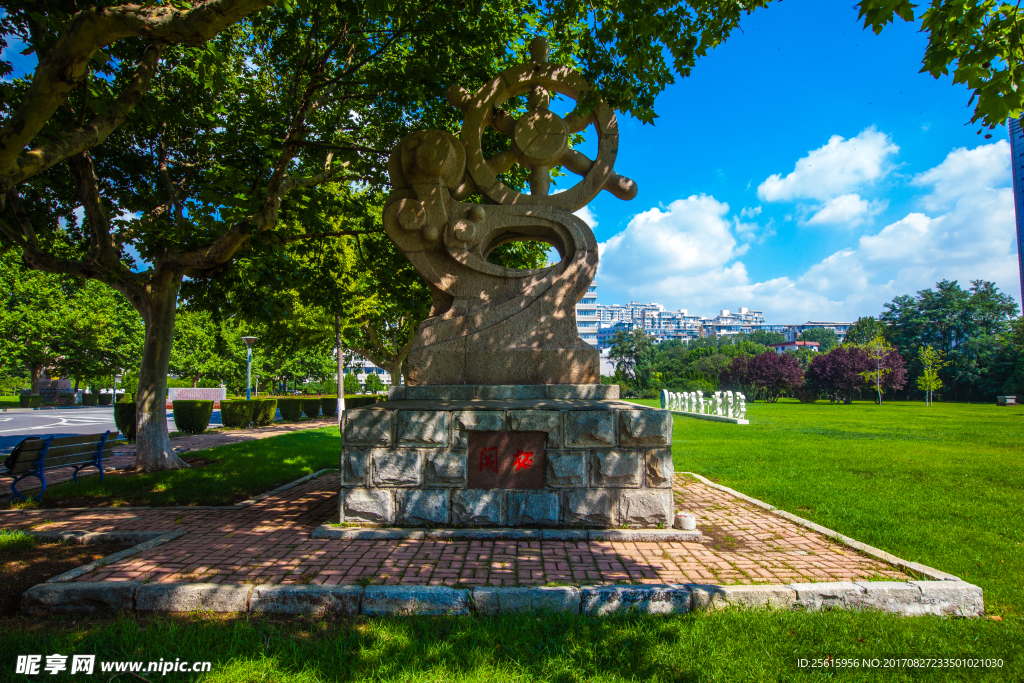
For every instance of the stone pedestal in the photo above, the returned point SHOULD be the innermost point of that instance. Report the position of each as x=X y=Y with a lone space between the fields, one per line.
x=606 y=463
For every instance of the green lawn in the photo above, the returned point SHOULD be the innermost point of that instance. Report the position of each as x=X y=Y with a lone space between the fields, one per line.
x=733 y=646
x=10 y=402
x=230 y=474
x=943 y=485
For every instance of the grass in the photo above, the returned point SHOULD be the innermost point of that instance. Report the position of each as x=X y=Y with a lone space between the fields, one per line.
x=751 y=646
x=10 y=402
x=943 y=486
x=227 y=475
x=14 y=541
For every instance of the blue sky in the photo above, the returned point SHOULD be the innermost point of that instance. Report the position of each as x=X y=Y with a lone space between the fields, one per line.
x=808 y=170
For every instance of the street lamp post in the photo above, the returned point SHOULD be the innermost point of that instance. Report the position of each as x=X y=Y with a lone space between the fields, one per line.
x=249 y=341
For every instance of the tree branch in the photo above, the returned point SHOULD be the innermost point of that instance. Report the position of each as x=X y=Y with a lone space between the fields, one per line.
x=65 y=67
x=88 y=191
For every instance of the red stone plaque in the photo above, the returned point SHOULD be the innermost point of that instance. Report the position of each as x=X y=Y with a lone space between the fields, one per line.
x=506 y=460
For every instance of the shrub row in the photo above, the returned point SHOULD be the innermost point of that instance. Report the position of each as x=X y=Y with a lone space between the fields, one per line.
x=90 y=399
x=242 y=413
x=124 y=418
x=30 y=400
x=65 y=400
x=192 y=417
x=105 y=399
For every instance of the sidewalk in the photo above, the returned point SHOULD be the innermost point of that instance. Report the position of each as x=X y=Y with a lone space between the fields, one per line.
x=269 y=542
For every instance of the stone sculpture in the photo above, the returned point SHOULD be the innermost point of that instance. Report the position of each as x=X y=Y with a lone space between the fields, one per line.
x=491 y=325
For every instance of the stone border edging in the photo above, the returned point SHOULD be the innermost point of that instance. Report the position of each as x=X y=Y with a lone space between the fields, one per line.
x=912 y=598
x=930 y=572
x=325 y=531
x=153 y=542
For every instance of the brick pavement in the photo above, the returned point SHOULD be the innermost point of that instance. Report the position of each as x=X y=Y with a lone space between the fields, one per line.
x=268 y=542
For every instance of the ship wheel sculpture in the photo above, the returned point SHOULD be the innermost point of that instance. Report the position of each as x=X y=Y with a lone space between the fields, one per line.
x=489 y=324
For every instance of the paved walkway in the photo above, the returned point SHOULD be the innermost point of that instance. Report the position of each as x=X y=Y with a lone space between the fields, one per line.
x=124 y=455
x=268 y=542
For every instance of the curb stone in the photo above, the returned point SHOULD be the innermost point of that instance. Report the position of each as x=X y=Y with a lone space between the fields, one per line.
x=915 y=598
x=507 y=600
x=308 y=600
x=79 y=597
x=916 y=567
x=190 y=597
x=580 y=535
x=602 y=600
x=382 y=601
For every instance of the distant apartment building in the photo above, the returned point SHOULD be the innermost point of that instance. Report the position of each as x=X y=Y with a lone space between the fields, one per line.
x=793 y=332
x=587 y=321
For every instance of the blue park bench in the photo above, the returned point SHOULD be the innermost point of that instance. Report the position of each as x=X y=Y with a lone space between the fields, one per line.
x=34 y=455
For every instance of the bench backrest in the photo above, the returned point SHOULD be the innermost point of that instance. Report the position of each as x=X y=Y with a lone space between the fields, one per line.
x=65 y=450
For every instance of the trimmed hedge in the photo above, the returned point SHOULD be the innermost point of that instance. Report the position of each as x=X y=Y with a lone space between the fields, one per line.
x=192 y=417
x=125 y=398
x=311 y=407
x=237 y=413
x=124 y=418
x=65 y=400
x=329 y=406
x=359 y=401
x=291 y=408
x=264 y=410
x=23 y=400
x=105 y=399
x=35 y=401
x=89 y=399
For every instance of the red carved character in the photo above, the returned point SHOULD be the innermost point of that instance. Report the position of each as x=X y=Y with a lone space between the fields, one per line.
x=489 y=459
x=524 y=459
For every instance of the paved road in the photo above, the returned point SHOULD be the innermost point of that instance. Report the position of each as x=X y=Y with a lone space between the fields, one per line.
x=16 y=424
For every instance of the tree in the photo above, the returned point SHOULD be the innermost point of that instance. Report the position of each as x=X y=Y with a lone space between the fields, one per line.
x=373 y=383
x=766 y=338
x=351 y=383
x=982 y=38
x=864 y=330
x=931 y=363
x=632 y=354
x=35 y=317
x=886 y=370
x=837 y=374
x=964 y=326
x=827 y=338
x=773 y=373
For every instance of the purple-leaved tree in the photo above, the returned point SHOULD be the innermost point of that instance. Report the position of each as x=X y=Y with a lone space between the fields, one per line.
x=773 y=373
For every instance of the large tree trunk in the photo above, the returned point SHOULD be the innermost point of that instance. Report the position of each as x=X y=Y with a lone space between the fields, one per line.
x=34 y=371
x=341 y=366
x=152 y=443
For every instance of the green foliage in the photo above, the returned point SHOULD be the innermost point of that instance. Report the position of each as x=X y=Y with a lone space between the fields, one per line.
x=864 y=330
x=35 y=400
x=65 y=400
x=359 y=401
x=291 y=408
x=329 y=406
x=979 y=39
x=264 y=411
x=192 y=417
x=311 y=407
x=105 y=399
x=13 y=541
x=766 y=338
x=237 y=414
x=373 y=384
x=125 y=419
x=827 y=339
x=972 y=329
x=632 y=353
x=125 y=398
x=90 y=399
x=351 y=384
x=522 y=255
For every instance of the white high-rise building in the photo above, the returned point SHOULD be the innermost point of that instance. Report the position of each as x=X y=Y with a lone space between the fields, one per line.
x=586 y=316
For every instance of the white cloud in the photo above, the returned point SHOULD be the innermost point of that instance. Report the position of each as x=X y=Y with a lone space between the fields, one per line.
x=849 y=210
x=838 y=167
x=588 y=216
x=965 y=171
x=686 y=256
x=748 y=212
